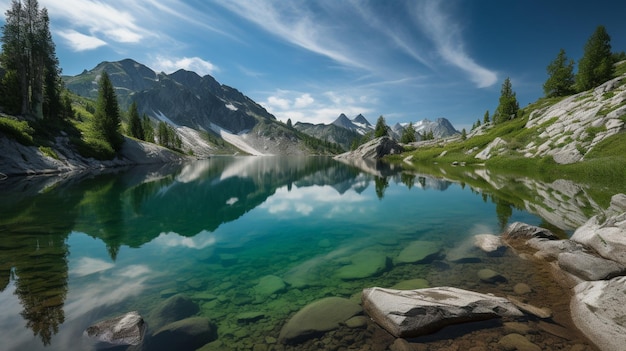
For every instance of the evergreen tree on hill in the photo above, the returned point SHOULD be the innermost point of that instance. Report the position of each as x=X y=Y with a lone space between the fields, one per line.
x=596 y=65
x=28 y=57
x=381 y=128
x=561 y=76
x=508 y=105
x=408 y=134
x=107 y=118
x=135 y=127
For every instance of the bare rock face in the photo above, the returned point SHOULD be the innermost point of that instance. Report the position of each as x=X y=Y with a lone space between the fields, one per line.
x=598 y=311
x=410 y=313
x=127 y=329
x=374 y=149
x=608 y=237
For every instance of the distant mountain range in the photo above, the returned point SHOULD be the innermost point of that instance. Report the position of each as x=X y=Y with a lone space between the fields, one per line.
x=210 y=117
x=344 y=130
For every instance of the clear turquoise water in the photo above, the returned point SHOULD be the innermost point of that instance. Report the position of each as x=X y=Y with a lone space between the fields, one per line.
x=89 y=247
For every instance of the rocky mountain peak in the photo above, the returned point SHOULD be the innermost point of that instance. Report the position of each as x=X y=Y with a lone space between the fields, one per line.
x=361 y=120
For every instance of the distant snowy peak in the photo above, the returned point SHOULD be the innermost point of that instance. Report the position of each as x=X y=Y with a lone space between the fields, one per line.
x=441 y=127
x=359 y=124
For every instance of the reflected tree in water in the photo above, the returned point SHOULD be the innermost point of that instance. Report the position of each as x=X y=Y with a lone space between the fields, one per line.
x=381 y=185
x=408 y=179
x=504 y=211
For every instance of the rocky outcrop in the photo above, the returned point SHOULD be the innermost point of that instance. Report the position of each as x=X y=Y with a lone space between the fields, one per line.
x=375 y=149
x=29 y=160
x=317 y=318
x=598 y=311
x=410 y=313
x=127 y=329
x=490 y=149
x=607 y=237
x=571 y=127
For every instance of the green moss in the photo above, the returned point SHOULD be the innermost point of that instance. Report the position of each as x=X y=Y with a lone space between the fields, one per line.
x=48 y=151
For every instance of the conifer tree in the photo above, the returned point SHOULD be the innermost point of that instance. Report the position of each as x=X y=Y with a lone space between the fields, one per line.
x=463 y=134
x=148 y=130
x=596 y=65
x=381 y=128
x=560 y=76
x=135 y=127
x=508 y=105
x=28 y=56
x=408 y=134
x=107 y=119
x=486 y=117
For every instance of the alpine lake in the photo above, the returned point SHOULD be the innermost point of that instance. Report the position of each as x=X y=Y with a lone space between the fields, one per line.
x=252 y=240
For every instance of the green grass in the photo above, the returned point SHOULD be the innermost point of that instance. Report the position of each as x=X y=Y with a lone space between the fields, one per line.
x=48 y=151
x=21 y=131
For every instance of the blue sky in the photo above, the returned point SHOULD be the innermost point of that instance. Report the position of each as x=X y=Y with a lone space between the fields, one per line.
x=312 y=60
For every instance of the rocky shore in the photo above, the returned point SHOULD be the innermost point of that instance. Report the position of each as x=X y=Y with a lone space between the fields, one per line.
x=20 y=160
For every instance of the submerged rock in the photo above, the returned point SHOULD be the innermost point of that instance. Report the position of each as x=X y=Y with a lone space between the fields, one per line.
x=517 y=342
x=490 y=276
x=127 y=329
x=186 y=334
x=598 y=311
x=269 y=285
x=363 y=265
x=410 y=313
x=318 y=317
x=419 y=251
x=173 y=309
x=489 y=243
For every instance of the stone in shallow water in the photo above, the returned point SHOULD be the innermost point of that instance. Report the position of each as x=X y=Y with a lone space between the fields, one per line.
x=490 y=276
x=248 y=317
x=318 y=317
x=541 y=312
x=411 y=313
x=127 y=329
x=517 y=342
x=489 y=243
x=522 y=289
x=363 y=265
x=175 y=308
x=419 y=251
x=187 y=334
x=269 y=285
x=412 y=284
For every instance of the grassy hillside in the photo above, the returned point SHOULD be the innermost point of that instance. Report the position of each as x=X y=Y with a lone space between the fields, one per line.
x=603 y=159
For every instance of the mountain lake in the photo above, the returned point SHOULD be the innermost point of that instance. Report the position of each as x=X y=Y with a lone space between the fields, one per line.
x=250 y=241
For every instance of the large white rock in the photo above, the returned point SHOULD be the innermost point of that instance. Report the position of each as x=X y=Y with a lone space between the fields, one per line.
x=410 y=313
x=607 y=238
x=599 y=311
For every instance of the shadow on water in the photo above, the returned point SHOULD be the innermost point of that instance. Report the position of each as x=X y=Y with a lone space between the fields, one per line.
x=133 y=207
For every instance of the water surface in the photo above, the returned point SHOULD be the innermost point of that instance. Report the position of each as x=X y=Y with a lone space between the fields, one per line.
x=79 y=249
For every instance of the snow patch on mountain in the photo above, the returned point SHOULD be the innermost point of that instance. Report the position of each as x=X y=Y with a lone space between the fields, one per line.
x=237 y=140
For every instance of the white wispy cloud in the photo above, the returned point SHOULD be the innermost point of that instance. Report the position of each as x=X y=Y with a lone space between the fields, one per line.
x=446 y=35
x=81 y=42
x=318 y=107
x=172 y=64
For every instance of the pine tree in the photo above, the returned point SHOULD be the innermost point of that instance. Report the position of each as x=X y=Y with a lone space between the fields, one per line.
x=148 y=130
x=28 y=52
x=107 y=118
x=381 y=128
x=135 y=127
x=289 y=123
x=408 y=134
x=508 y=105
x=560 y=76
x=463 y=134
x=596 y=65
x=486 y=117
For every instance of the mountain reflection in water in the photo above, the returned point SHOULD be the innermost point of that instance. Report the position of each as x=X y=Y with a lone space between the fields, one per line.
x=56 y=279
